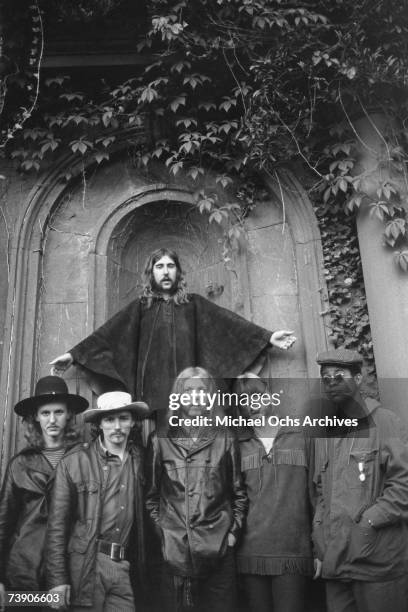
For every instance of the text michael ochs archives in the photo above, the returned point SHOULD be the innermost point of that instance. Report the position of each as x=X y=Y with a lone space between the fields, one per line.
x=253 y=401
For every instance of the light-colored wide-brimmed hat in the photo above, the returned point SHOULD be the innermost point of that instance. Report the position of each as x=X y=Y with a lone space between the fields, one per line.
x=115 y=401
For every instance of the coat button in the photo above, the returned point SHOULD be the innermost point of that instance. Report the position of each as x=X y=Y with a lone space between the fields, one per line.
x=188 y=459
x=191 y=494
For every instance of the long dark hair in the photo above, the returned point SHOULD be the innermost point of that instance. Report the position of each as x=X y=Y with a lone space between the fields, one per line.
x=180 y=296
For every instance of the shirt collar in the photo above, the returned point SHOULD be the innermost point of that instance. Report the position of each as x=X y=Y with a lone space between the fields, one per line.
x=106 y=454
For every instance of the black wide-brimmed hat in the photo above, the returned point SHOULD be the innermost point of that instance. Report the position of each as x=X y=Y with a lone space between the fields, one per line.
x=47 y=390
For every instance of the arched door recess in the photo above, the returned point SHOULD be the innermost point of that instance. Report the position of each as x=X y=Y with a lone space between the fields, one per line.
x=75 y=261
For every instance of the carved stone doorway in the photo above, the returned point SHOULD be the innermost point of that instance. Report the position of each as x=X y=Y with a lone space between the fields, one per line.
x=78 y=258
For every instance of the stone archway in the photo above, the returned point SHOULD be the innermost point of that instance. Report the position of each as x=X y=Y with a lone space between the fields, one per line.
x=63 y=258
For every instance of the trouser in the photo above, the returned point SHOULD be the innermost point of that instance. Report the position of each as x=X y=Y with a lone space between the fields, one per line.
x=283 y=593
x=113 y=591
x=215 y=592
x=362 y=596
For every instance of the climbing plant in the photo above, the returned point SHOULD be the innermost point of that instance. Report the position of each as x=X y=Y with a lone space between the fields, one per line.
x=231 y=88
x=346 y=315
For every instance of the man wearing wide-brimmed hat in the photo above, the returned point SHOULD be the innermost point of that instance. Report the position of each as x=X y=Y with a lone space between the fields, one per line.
x=361 y=476
x=96 y=515
x=48 y=419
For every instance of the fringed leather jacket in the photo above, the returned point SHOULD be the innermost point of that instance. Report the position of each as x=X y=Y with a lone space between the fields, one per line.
x=277 y=535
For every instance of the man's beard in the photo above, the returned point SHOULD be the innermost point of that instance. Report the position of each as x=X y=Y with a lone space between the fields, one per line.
x=157 y=288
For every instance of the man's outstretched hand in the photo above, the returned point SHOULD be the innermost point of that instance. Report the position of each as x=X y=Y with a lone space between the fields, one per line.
x=282 y=339
x=61 y=363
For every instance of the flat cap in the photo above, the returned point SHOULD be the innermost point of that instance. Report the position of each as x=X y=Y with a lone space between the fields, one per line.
x=341 y=356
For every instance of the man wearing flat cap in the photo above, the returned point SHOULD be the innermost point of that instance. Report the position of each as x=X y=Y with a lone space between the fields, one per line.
x=96 y=515
x=50 y=433
x=361 y=477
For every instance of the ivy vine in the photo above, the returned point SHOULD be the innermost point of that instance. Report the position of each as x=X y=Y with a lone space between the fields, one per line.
x=347 y=313
x=343 y=185
x=229 y=87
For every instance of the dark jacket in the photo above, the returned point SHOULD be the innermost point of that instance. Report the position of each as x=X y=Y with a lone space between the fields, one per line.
x=74 y=521
x=277 y=535
x=347 y=501
x=23 y=520
x=195 y=496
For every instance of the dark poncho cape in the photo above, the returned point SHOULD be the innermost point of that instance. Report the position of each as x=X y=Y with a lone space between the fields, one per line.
x=144 y=348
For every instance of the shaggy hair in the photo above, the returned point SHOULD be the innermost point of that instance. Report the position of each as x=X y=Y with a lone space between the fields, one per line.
x=180 y=296
x=249 y=383
x=33 y=432
x=194 y=372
